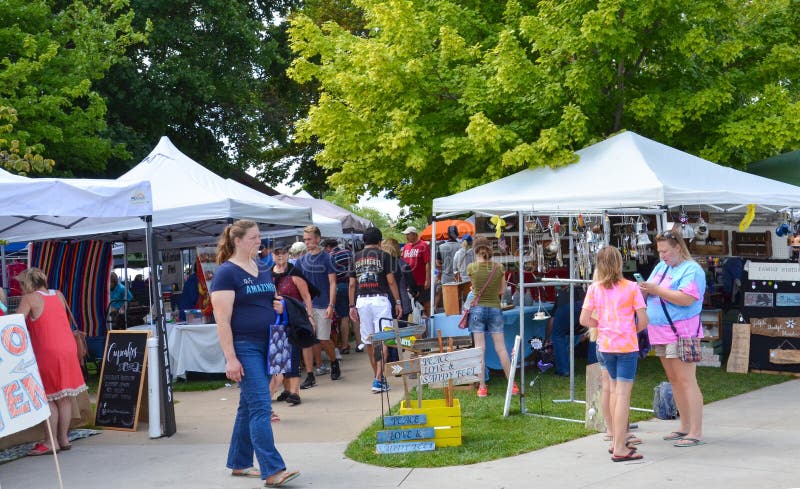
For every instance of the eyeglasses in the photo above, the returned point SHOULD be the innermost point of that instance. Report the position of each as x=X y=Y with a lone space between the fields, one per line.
x=666 y=235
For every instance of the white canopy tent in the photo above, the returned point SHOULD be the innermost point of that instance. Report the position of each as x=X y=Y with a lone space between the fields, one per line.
x=191 y=205
x=328 y=226
x=626 y=171
x=351 y=223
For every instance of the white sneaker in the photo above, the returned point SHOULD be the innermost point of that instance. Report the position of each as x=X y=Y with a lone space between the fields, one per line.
x=361 y=347
x=323 y=370
x=338 y=354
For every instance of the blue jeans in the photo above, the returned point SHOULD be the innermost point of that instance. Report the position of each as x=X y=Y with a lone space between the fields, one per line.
x=484 y=319
x=252 y=430
x=620 y=366
x=561 y=352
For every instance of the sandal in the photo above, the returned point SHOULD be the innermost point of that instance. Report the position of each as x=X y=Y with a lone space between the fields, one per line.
x=632 y=455
x=688 y=442
x=249 y=472
x=345 y=350
x=274 y=417
x=675 y=435
x=633 y=440
x=287 y=476
x=40 y=449
x=65 y=447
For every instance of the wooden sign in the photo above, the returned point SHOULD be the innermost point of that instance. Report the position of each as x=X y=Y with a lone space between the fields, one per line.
x=402 y=332
x=739 y=359
x=121 y=380
x=416 y=446
x=408 y=420
x=594 y=406
x=460 y=366
x=431 y=344
x=388 y=436
x=785 y=327
x=774 y=271
x=783 y=356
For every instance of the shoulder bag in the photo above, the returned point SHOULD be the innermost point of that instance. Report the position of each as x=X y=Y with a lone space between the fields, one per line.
x=464 y=321
x=688 y=347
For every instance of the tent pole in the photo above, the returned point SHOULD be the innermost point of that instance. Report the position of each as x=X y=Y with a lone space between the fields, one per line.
x=522 y=292
x=433 y=271
x=167 y=405
x=125 y=274
x=3 y=270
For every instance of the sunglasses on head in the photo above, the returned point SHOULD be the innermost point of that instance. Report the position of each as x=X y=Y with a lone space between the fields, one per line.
x=667 y=235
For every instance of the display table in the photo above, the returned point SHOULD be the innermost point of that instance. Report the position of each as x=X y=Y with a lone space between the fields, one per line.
x=448 y=325
x=193 y=348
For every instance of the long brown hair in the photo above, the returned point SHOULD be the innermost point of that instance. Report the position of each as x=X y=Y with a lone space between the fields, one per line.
x=225 y=245
x=482 y=248
x=609 y=267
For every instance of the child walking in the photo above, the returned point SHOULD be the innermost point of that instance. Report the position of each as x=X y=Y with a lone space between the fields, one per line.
x=615 y=307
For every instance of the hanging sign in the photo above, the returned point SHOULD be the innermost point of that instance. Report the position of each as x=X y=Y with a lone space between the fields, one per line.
x=773 y=271
x=789 y=327
x=24 y=402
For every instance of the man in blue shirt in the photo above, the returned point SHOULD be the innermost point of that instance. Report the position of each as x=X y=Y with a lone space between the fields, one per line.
x=265 y=253
x=317 y=266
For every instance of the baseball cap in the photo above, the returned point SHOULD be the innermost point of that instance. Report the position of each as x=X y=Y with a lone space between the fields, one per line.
x=281 y=245
x=411 y=230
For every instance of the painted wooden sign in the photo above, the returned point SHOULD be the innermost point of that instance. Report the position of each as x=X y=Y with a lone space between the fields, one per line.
x=739 y=359
x=785 y=327
x=408 y=420
x=460 y=366
x=388 y=436
x=415 y=446
x=403 y=332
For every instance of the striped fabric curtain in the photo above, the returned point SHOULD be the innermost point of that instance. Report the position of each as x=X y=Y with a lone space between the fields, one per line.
x=80 y=270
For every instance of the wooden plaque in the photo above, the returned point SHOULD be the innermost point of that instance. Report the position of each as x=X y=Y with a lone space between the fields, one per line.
x=739 y=359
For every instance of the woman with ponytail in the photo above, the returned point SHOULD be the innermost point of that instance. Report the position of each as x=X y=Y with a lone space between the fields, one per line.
x=243 y=296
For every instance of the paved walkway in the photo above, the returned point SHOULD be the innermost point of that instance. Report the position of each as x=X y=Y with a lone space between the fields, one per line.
x=753 y=442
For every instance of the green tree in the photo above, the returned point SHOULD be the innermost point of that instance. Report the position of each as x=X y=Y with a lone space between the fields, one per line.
x=212 y=78
x=15 y=158
x=51 y=54
x=444 y=95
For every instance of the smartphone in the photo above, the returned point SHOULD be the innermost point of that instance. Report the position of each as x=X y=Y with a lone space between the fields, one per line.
x=638 y=277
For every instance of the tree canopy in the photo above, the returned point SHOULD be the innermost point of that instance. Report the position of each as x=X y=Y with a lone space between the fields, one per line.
x=211 y=77
x=51 y=53
x=443 y=95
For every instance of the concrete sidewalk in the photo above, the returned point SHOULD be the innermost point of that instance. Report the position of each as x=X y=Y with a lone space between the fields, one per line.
x=753 y=440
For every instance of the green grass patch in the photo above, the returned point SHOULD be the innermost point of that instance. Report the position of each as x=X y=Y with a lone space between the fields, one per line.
x=177 y=385
x=486 y=435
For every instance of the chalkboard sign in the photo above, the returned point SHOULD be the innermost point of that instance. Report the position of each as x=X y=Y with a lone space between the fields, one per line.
x=121 y=380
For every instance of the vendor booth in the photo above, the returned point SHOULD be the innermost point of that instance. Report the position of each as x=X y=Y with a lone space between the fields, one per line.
x=620 y=191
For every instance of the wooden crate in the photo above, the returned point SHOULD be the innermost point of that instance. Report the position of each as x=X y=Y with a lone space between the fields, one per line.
x=446 y=421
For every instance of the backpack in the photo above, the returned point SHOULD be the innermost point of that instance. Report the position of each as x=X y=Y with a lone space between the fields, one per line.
x=663 y=402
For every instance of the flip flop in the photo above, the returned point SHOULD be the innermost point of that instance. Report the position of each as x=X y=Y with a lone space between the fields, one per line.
x=288 y=476
x=675 y=435
x=66 y=447
x=692 y=442
x=607 y=437
x=274 y=417
x=250 y=472
x=629 y=446
x=40 y=449
x=632 y=455
x=633 y=440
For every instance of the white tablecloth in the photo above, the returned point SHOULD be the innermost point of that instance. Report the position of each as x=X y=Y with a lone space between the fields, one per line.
x=193 y=348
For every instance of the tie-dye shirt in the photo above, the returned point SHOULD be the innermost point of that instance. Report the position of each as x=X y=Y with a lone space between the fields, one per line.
x=615 y=310
x=689 y=278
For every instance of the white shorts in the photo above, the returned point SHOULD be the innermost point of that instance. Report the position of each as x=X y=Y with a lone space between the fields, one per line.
x=370 y=311
x=323 y=324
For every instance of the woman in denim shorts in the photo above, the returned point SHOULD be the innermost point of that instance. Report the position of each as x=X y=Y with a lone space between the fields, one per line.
x=615 y=307
x=485 y=316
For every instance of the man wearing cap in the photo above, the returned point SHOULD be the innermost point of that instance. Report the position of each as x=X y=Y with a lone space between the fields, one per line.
x=371 y=282
x=417 y=254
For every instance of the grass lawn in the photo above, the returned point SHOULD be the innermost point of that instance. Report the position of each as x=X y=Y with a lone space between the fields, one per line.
x=487 y=435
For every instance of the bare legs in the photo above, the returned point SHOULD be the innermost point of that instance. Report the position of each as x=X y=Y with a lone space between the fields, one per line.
x=60 y=417
x=687 y=394
x=500 y=349
x=619 y=404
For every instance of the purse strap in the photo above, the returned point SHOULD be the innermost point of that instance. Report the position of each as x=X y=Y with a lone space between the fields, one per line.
x=666 y=313
x=486 y=284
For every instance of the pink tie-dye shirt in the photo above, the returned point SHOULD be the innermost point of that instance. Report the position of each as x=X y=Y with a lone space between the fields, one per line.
x=615 y=310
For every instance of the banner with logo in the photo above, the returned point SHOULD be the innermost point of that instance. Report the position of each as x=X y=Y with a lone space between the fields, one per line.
x=23 y=402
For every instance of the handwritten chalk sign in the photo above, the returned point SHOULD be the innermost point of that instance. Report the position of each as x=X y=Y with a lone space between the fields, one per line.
x=460 y=366
x=121 y=380
x=739 y=359
x=24 y=402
